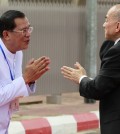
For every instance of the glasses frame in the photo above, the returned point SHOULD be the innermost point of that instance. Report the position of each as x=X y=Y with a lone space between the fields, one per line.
x=23 y=31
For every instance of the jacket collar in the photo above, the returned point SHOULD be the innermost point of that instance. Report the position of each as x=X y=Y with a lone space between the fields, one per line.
x=117 y=41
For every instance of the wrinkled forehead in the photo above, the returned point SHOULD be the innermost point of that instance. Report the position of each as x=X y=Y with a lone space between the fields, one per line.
x=22 y=22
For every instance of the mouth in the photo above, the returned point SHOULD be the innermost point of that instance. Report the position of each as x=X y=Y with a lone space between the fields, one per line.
x=27 y=41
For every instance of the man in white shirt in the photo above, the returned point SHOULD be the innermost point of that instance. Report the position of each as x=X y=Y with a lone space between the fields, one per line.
x=15 y=32
x=105 y=87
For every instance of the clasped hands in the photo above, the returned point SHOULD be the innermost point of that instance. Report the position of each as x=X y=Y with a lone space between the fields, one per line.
x=35 y=69
x=73 y=74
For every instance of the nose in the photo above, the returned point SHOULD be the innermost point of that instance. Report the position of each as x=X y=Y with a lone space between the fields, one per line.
x=28 y=34
x=104 y=24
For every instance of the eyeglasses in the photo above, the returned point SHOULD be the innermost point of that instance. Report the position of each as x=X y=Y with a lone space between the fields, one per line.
x=24 y=31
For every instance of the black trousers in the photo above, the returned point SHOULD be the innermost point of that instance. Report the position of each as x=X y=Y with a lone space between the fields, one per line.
x=112 y=127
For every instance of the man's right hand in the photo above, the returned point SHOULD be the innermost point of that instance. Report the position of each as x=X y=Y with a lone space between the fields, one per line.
x=73 y=74
x=35 y=69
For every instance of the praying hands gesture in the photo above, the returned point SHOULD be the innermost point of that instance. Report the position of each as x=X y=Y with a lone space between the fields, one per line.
x=73 y=74
x=35 y=69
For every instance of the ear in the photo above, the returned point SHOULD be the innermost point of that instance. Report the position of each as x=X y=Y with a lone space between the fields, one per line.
x=6 y=35
x=118 y=27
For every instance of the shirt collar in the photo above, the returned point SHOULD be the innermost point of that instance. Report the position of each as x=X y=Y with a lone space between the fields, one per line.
x=7 y=52
x=116 y=41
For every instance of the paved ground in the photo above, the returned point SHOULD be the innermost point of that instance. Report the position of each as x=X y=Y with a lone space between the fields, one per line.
x=72 y=103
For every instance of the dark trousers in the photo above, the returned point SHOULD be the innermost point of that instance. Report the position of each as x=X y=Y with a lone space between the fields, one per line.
x=112 y=127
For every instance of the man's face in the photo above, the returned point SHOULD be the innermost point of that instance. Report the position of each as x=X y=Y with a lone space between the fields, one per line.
x=110 y=25
x=20 y=35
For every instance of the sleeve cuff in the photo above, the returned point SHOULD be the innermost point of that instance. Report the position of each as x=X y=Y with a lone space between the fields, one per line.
x=82 y=78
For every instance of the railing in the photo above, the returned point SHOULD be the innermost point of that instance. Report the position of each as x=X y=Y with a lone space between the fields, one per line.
x=77 y=2
x=108 y=2
x=41 y=2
